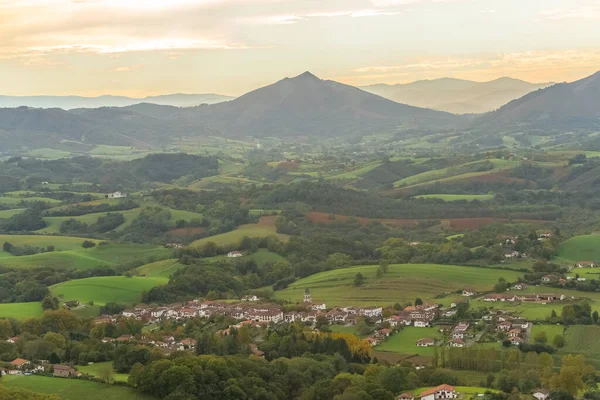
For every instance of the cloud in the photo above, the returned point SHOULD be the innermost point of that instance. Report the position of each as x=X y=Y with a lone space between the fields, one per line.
x=591 y=12
x=293 y=19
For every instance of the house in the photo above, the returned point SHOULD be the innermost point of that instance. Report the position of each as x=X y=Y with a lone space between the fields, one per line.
x=116 y=195
x=425 y=342
x=439 y=393
x=458 y=335
x=384 y=333
x=468 y=292
x=125 y=338
x=541 y=394
x=456 y=343
x=549 y=278
x=405 y=396
x=519 y=286
x=254 y=350
x=504 y=326
x=516 y=341
x=545 y=235
x=421 y=323
x=64 y=371
x=513 y=333
x=250 y=298
x=20 y=363
x=372 y=341
x=586 y=264
x=13 y=339
x=512 y=254
x=234 y=254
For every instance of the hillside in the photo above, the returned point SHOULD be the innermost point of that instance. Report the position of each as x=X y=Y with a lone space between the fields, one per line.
x=456 y=95
x=309 y=106
x=562 y=107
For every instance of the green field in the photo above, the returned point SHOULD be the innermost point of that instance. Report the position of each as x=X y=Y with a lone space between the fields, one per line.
x=403 y=282
x=550 y=330
x=96 y=368
x=357 y=173
x=404 y=342
x=20 y=311
x=581 y=248
x=160 y=269
x=111 y=254
x=234 y=237
x=261 y=257
x=583 y=339
x=61 y=243
x=456 y=197
x=104 y=289
x=10 y=213
x=468 y=392
x=72 y=389
x=14 y=201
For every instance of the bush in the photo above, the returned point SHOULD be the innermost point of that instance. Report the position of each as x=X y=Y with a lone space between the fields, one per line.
x=88 y=244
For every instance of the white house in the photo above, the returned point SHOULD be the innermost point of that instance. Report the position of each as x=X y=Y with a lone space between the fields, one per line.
x=456 y=343
x=250 y=298
x=116 y=195
x=468 y=292
x=425 y=342
x=541 y=394
x=421 y=323
x=441 y=392
x=234 y=254
x=586 y=264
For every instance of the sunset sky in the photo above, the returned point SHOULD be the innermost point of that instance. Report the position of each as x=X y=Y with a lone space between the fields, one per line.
x=148 y=47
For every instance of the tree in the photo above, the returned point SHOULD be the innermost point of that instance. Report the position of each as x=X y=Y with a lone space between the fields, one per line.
x=559 y=341
x=541 y=337
x=106 y=373
x=88 y=244
x=379 y=272
x=362 y=328
x=50 y=303
x=359 y=279
x=385 y=266
x=338 y=260
x=418 y=301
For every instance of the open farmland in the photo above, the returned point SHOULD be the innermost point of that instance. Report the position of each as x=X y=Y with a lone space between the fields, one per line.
x=265 y=227
x=160 y=269
x=404 y=342
x=15 y=201
x=261 y=257
x=402 y=283
x=96 y=368
x=581 y=248
x=583 y=339
x=61 y=243
x=72 y=389
x=10 y=213
x=20 y=311
x=104 y=289
x=457 y=197
x=551 y=331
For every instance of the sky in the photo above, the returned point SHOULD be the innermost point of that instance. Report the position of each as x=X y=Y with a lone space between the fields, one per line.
x=149 y=47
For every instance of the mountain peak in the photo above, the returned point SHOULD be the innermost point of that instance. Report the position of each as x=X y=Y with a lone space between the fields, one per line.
x=307 y=75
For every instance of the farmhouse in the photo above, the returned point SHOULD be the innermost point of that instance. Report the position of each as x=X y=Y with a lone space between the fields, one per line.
x=512 y=254
x=64 y=371
x=116 y=195
x=250 y=298
x=456 y=343
x=469 y=292
x=421 y=323
x=441 y=392
x=586 y=264
x=20 y=363
x=541 y=394
x=12 y=339
x=425 y=342
x=519 y=286
x=516 y=341
x=405 y=396
x=545 y=235
x=234 y=254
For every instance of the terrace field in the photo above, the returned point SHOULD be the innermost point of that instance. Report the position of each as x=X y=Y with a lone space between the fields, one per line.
x=104 y=289
x=160 y=269
x=402 y=283
x=72 y=389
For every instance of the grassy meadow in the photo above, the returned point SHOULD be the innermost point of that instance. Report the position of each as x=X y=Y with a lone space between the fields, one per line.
x=583 y=339
x=20 y=311
x=581 y=248
x=104 y=289
x=404 y=342
x=551 y=331
x=96 y=368
x=72 y=389
x=456 y=197
x=160 y=269
x=265 y=227
x=402 y=283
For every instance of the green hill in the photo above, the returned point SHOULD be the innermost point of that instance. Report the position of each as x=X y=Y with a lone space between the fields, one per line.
x=581 y=248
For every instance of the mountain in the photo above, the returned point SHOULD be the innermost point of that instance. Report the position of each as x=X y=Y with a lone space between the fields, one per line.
x=455 y=95
x=304 y=106
x=72 y=102
x=309 y=106
x=560 y=108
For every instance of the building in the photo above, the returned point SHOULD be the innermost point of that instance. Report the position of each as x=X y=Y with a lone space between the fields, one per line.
x=405 y=396
x=586 y=264
x=541 y=394
x=519 y=286
x=439 y=393
x=20 y=363
x=64 y=371
x=456 y=343
x=234 y=254
x=250 y=298
x=116 y=195
x=425 y=342
x=256 y=351
x=468 y=292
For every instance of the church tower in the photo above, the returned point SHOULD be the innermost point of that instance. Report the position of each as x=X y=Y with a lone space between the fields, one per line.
x=307 y=296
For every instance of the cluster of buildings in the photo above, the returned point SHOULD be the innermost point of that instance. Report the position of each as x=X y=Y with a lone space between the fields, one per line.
x=532 y=297
x=21 y=366
x=167 y=343
x=516 y=329
x=456 y=338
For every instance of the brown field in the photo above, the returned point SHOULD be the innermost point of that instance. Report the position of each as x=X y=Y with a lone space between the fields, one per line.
x=394 y=358
x=455 y=224
x=268 y=220
x=184 y=232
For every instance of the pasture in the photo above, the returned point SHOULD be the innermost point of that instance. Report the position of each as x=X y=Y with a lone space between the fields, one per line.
x=551 y=331
x=581 y=248
x=467 y=392
x=457 y=197
x=261 y=257
x=160 y=269
x=72 y=389
x=15 y=201
x=20 y=311
x=61 y=243
x=10 y=213
x=105 y=289
x=583 y=339
x=402 y=283
x=96 y=368
x=265 y=227
x=404 y=342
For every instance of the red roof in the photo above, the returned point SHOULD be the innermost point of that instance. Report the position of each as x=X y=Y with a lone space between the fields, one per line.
x=447 y=388
x=18 y=362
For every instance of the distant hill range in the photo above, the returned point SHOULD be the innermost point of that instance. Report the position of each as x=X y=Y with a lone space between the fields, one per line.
x=562 y=107
x=71 y=102
x=455 y=95
x=304 y=106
